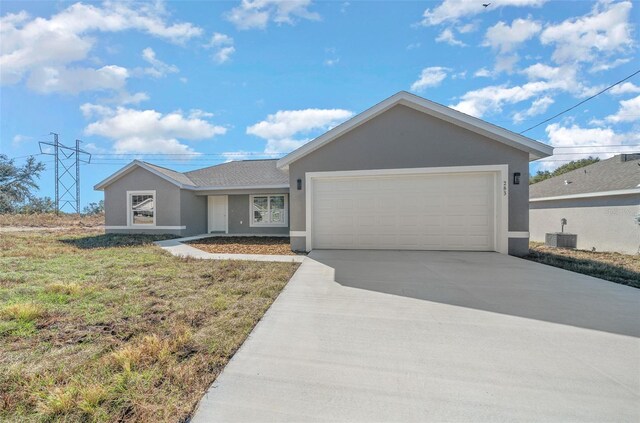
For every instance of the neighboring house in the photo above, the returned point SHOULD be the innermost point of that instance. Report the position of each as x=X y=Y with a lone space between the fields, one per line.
x=406 y=174
x=601 y=203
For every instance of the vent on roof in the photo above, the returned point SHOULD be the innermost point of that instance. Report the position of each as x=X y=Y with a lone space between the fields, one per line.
x=629 y=157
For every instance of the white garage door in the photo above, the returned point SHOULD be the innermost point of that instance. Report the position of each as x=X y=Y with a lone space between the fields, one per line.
x=407 y=212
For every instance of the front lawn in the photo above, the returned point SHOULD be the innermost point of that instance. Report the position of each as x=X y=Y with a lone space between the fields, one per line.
x=615 y=267
x=98 y=327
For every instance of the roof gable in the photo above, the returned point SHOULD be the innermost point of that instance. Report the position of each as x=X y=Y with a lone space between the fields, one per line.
x=164 y=173
x=536 y=150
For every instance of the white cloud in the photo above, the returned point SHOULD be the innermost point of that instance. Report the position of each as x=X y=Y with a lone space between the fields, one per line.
x=538 y=107
x=593 y=37
x=459 y=75
x=231 y=156
x=158 y=68
x=283 y=129
x=148 y=131
x=447 y=36
x=629 y=111
x=544 y=80
x=608 y=65
x=256 y=14
x=223 y=45
x=284 y=145
x=75 y=80
x=453 y=10
x=413 y=46
x=466 y=28
x=625 y=88
x=505 y=39
x=331 y=62
x=590 y=140
x=224 y=54
x=200 y=114
x=123 y=98
x=20 y=139
x=218 y=39
x=430 y=77
x=482 y=73
x=30 y=44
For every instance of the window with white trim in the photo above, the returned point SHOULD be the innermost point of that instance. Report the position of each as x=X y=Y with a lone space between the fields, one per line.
x=142 y=208
x=268 y=210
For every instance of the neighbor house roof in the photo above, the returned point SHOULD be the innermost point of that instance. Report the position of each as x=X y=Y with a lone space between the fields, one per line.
x=536 y=149
x=236 y=175
x=619 y=175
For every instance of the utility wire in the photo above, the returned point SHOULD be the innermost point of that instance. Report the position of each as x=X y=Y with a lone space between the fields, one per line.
x=582 y=102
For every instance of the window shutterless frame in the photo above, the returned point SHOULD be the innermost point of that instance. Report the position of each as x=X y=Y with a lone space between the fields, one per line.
x=130 y=195
x=268 y=223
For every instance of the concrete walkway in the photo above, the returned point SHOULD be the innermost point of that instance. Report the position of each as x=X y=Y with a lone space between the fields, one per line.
x=178 y=248
x=376 y=336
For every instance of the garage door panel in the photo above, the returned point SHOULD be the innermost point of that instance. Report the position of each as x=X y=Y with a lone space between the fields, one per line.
x=432 y=212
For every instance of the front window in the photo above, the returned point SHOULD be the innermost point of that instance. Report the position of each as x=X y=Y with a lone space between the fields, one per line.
x=143 y=209
x=269 y=210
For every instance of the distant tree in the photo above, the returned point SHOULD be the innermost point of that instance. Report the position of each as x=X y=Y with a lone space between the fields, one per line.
x=94 y=208
x=17 y=182
x=567 y=167
x=38 y=205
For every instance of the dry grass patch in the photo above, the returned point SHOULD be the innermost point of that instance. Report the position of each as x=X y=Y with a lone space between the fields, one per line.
x=26 y=312
x=63 y=288
x=245 y=245
x=615 y=267
x=112 y=328
x=49 y=220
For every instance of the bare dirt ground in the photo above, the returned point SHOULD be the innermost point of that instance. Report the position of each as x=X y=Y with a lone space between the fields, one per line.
x=245 y=245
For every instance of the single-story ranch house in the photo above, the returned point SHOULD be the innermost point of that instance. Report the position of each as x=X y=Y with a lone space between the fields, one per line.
x=600 y=202
x=407 y=174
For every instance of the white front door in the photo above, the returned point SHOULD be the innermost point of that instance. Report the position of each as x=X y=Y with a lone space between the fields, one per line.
x=218 y=213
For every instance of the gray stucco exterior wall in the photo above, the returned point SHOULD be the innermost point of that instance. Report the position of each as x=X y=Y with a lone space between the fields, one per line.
x=406 y=138
x=239 y=215
x=193 y=213
x=171 y=203
x=603 y=223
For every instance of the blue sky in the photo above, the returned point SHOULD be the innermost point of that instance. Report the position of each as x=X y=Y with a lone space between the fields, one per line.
x=189 y=84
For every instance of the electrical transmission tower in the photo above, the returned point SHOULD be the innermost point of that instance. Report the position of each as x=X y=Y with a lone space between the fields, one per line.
x=67 y=181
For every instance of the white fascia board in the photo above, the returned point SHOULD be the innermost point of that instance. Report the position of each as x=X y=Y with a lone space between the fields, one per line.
x=536 y=149
x=631 y=191
x=128 y=168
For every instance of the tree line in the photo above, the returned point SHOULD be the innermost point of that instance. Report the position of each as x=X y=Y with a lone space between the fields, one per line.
x=18 y=185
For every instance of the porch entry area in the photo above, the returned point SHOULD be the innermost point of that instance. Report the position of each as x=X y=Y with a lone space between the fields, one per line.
x=217 y=214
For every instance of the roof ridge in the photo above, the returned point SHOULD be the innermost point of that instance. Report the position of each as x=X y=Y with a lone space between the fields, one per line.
x=227 y=163
x=171 y=170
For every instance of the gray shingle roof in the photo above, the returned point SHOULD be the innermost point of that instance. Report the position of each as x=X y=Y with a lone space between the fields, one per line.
x=245 y=173
x=239 y=174
x=606 y=175
x=176 y=176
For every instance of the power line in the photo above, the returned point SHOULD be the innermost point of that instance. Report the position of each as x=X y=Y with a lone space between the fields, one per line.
x=582 y=102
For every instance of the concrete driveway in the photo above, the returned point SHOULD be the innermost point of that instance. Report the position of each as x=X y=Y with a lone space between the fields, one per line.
x=436 y=336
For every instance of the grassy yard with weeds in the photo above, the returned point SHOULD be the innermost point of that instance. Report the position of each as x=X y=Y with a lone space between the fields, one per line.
x=49 y=220
x=615 y=267
x=98 y=327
